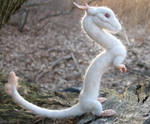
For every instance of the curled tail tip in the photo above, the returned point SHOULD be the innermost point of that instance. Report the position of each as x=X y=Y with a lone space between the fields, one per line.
x=12 y=74
x=12 y=83
x=13 y=78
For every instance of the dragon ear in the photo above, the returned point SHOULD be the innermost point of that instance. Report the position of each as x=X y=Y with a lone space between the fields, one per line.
x=86 y=7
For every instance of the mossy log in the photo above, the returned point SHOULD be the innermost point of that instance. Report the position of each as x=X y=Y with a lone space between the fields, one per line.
x=130 y=107
x=7 y=8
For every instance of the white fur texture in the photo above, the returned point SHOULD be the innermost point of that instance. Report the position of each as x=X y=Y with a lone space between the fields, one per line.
x=94 y=23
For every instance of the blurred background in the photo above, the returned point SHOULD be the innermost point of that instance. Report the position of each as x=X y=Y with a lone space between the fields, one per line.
x=43 y=42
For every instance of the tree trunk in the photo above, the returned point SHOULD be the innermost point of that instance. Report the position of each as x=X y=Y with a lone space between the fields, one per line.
x=7 y=8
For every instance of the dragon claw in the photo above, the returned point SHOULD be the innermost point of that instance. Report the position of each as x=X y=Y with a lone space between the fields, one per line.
x=122 y=68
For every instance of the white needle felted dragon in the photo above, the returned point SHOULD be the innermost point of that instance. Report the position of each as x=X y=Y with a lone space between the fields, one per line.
x=97 y=22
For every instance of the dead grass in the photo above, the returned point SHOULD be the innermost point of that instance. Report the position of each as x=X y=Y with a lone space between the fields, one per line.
x=132 y=12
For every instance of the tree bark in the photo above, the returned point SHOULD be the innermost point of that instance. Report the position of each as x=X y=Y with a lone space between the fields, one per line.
x=7 y=8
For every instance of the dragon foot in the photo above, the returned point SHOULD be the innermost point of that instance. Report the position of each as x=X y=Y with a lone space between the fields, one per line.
x=108 y=113
x=102 y=99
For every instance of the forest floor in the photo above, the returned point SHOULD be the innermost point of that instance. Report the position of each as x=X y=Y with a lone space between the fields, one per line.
x=54 y=52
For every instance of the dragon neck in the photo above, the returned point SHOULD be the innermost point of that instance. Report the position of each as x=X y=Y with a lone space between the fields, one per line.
x=99 y=65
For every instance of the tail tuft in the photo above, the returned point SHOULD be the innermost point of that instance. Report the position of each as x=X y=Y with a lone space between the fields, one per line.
x=12 y=83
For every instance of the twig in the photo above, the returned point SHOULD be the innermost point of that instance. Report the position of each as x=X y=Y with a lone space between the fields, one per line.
x=75 y=62
x=53 y=15
x=57 y=14
x=59 y=59
x=24 y=20
x=125 y=35
x=39 y=75
x=52 y=65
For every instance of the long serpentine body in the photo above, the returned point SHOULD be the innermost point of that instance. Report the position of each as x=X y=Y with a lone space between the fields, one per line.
x=94 y=22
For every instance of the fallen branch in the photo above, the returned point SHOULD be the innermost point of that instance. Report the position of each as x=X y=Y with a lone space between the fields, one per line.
x=52 y=65
x=53 y=15
x=75 y=62
x=58 y=60
x=23 y=21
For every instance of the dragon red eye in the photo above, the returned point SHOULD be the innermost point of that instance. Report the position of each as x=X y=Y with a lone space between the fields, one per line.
x=107 y=15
